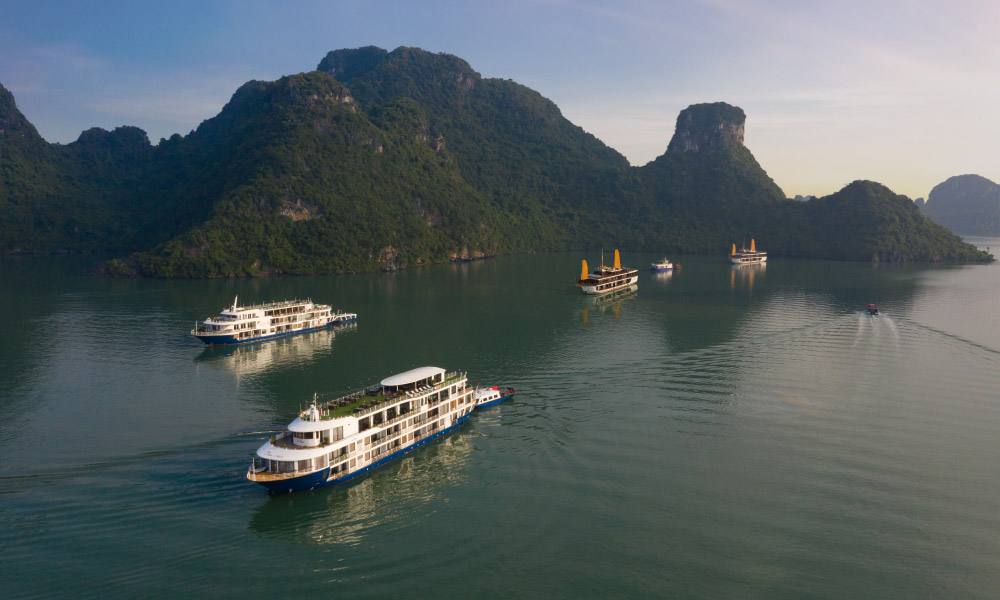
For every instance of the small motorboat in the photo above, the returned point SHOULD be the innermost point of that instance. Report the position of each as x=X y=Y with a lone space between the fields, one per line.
x=664 y=265
x=872 y=309
x=490 y=396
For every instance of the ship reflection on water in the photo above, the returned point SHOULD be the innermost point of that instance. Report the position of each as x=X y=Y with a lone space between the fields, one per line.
x=257 y=358
x=745 y=274
x=612 y=301
x=399 y=492
x=663 y=276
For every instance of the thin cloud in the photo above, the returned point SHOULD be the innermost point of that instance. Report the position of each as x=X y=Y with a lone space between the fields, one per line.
x=180 y=106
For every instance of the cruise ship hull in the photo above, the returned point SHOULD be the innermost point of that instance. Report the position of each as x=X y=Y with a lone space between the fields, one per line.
x=751 y=260
x=596 y=290
x=230 y=340
x=319 y=479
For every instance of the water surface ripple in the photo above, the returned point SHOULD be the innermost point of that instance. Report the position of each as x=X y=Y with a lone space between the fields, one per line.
x=717 y=433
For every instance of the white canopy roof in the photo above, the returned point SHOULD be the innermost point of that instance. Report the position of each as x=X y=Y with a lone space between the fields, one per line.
x=412 y=376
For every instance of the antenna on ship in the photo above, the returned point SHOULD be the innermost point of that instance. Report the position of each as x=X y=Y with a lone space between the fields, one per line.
x=234 y=302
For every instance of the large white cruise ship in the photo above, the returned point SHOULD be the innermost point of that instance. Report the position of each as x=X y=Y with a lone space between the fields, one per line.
x=747 y=257
x=333 y=442
x=242 y=324
x=605 y=280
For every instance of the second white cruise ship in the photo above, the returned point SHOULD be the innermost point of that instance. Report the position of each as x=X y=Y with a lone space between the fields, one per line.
x=243 y=324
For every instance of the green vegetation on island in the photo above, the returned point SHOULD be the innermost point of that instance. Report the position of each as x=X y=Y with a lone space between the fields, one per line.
x=384 y=160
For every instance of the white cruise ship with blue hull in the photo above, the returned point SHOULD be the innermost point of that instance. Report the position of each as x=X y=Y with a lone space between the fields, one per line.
x=337 y=441
x=246 y=324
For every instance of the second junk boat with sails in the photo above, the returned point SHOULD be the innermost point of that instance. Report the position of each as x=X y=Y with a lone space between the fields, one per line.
x=604 y=279
x=747 y=257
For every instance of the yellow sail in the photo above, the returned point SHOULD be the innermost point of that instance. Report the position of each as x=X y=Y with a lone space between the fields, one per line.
x=583 y=272
x=733 y=253
x=618 y=260
x=753 y=247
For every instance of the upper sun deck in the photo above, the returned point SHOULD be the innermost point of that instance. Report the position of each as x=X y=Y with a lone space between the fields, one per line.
x=272 y=308
x=360 y=404
x=267 y=309
x=604 y=273
x=414 y=376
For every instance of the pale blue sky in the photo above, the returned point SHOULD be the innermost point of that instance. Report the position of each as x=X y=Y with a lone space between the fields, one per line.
x=902 y=92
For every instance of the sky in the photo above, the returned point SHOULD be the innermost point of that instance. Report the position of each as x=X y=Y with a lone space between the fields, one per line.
x=906 y=93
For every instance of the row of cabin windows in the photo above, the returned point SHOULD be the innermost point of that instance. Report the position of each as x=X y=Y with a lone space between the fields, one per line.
x=284 y=311
x=289 y=466
x=404 y=408
x=332 y=435
x=387 y=433
x=319 y=462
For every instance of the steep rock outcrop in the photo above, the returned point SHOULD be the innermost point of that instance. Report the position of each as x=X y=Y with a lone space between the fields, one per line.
x=713 y=126
x=12 y=122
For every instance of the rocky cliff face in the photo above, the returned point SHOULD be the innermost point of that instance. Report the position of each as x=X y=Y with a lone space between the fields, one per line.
x=713 y=126
x=966 y=204
x=12 y=122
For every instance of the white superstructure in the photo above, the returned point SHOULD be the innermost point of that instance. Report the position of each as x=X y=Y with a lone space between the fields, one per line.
x=241 y=324
x=605 y=280
x=747 y=257
x=335 y=441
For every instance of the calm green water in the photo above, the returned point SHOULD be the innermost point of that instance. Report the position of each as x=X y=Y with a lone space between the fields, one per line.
x=717 y=434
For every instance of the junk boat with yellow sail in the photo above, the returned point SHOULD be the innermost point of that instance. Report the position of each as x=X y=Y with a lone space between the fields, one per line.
x=604 y=279
x=747 y=257
x=336 y=441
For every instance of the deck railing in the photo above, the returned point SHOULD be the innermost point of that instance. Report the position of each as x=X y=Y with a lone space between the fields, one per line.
x=450 y=378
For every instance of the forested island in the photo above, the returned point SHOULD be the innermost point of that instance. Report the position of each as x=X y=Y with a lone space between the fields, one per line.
x=385 y=160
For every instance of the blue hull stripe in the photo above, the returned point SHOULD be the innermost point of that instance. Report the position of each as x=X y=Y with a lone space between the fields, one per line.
x=497 y=401
x=230 y=340
x=318 y=479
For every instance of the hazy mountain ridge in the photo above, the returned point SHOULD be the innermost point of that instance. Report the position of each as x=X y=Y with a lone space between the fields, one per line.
x=966 y=204
x=390 y=159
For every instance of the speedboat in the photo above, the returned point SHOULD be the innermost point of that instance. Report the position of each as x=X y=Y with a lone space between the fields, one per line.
x=490 y=396
x=663 y=265
x=872 y=309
